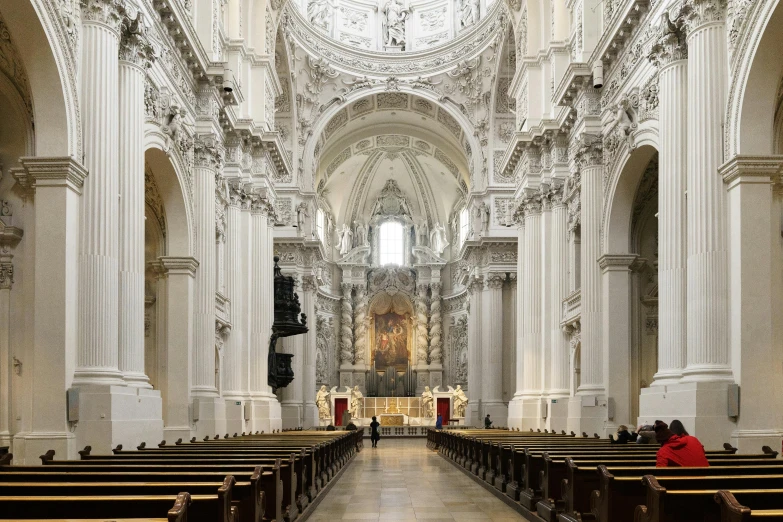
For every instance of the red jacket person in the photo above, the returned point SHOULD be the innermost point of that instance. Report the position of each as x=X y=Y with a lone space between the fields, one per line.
x=678 y=450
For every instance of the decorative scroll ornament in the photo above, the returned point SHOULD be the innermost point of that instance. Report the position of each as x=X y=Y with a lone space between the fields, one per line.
x=671 y=45
x=134 y=44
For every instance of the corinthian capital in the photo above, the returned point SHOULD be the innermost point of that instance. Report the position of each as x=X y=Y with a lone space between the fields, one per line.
x=6 y=275
x=495 y=281
x=134 y=44
x=108 y=12
x=532 y=204
x=207 y=152
x=590 y=152
x=671 y=44
x=700 y=12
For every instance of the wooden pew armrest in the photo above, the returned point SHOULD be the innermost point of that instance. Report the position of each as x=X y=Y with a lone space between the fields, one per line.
x=179 y=513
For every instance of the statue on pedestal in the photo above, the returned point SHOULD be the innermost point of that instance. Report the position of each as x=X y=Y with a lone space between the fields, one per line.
x=427 y=404
x=322 y=402
x=395 y=23
x=469 y=12
x=360 y=233
x=301 y=217
x=319 y=13
x=438 y=241
x=460 y=402
x=345 y=243
x=422 y=233
x=356 y=403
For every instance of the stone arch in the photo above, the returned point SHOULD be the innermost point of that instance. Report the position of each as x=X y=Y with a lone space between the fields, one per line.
x=175 y=200
x=758 y=67
x=39 y=39
x=620 y=196
x=309 y=170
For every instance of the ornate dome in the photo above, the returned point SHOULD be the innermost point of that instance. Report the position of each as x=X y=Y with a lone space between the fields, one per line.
x=394 y=25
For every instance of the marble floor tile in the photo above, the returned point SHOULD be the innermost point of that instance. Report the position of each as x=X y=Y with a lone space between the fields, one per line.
x=402 y=480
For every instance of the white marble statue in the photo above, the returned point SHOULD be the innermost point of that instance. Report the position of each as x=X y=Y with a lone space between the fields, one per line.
x=460 y=402
x=483 y=212
x=356 y=403
x=395 y=23
x=427 y=404
x=438 y=241
x=319 y=12
x=322 y=402
x=360 y=233
x=469 y=12
x=301 y=217
x=422 y=233
x=345 y=243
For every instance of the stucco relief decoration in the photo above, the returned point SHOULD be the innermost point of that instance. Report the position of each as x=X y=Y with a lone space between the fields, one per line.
x=354 y=20
x=498 y=172
x=319 y=12
x=458 y=344
x=392 y=281
x=504 y=211
x=153 y=200
x=135 y=45
x=324 y=335
x=391 y=201
x=468 y=13
x=433 y=19
x=11 y=66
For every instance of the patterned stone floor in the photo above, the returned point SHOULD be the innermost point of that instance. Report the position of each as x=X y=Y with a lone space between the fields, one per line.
x=403 y=480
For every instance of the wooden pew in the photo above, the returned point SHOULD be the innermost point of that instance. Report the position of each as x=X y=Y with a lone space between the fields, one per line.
x=732 y=511
x=618 y=497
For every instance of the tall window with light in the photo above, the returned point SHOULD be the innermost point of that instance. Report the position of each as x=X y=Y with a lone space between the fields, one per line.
x=391 y=244
x=464 y=225
x=319 y=225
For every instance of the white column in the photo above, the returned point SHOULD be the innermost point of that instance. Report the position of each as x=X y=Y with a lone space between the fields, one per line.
x=590 y=159
x=207 y=158
x=6 y=283
x=292 y=397
x=135 y=54
x=360 y=326
x=708 y=331
x=57 y=182
x=266 y=409
x=232 y=360
x=98 y=356
x=176 y=303
x=670 y=54
x=515 y=406
x=531 y=282
x=307 y=378
x=475 y=353
x=492 y=347
x=560 y=348
x=422 y=339
x=545 y=278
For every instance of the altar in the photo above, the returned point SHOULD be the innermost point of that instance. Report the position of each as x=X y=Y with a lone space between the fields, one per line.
x=392 y=419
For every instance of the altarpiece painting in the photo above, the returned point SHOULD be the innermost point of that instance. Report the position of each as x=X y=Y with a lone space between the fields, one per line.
x=392 y=346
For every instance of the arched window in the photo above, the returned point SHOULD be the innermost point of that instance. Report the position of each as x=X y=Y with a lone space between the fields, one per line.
x=319 y=225
x=464 y=225
x=391 y=244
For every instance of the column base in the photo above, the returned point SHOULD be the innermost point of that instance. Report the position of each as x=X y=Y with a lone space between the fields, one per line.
x=291 y=414
x=585 y=417
x=557 y=419
x=515 y=413
x=235 y=416
x=498 y=414
x=138 y=380
x=701 y=406
x=211 y=417
x=112 y=415
x=310 y=416
x=473 y=415
x=266 y=415
x=29 y=445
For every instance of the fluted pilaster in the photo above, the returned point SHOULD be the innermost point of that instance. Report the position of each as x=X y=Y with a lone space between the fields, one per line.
x=262 y=298
x=531 y=277
x=208 y=159
x=707 y=328
x=558 y=269
x=475 y=355
x=492 y=345
x=671 y=53
x=590 y=160
x=98 y=354
x=308 y=384
x=135 y=54
x=232 y=359
x=521 y=308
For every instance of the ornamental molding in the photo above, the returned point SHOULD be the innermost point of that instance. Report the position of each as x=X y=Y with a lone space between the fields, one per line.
x=356 y=61
x=12 y=66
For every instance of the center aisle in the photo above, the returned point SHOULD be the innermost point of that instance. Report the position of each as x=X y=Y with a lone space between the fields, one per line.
x=403 y=480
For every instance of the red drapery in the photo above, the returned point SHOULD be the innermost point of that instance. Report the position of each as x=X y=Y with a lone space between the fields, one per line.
x=444 y=409
x=340 y=407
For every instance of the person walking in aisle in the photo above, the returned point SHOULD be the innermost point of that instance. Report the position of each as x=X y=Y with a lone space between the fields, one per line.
x=375 y=436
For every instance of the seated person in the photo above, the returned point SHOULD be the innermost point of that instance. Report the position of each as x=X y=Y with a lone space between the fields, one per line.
x=678 y=450
x=487 y=422
x=622 y=436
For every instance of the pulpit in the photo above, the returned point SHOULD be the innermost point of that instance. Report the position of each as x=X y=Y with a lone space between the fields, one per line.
x=286 y=323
